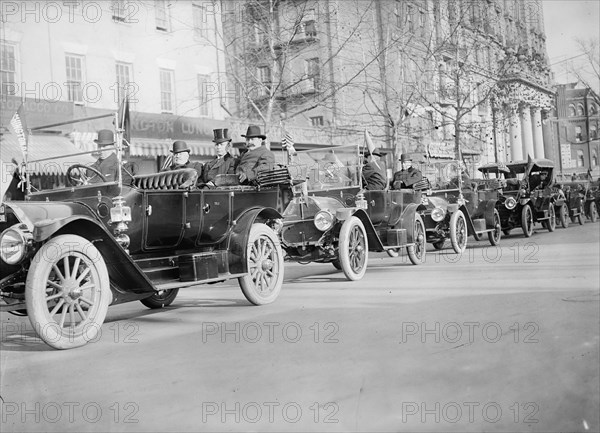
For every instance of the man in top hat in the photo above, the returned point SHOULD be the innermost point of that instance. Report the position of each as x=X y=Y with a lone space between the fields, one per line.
x=257 y=158
x=408 y=176
x=181 y=158
x=108 y=163
x=373 y=174
x=223 y=163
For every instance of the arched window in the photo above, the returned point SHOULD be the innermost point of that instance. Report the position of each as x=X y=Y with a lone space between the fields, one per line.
x=580 y=111
x=593 y=132
x=580 y=158
x=594 y=159
x=578 y=136
x=571 y=110
x=593 y=109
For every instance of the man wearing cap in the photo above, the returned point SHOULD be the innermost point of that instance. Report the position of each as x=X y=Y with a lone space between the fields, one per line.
x=181 y=158
x=223 y=163
x=108 y=163
x=373 y=175
x=256 y=159
x=408 y=176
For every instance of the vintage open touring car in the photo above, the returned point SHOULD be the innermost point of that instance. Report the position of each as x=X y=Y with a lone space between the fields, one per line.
x=457 y=208
x=574 y=201
x=332 y=219
x=69 y=253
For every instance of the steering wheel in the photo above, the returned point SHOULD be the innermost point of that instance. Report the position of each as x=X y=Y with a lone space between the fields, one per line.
x=77 y=175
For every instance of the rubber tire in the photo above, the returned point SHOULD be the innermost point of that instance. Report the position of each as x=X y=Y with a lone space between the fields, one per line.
x=50 y=254
x=551 y=221
x=527 y=221
x=160 y=300
x=458 y=232
x=261 y=234
x=336 y=264
x=416 y=253
x=564 y=216
x=354 y=226
x=439 y=245
x=581 y=216
x=495 y=236
x=593 y=212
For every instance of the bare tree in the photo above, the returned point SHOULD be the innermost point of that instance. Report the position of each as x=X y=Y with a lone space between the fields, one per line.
x=588 y=71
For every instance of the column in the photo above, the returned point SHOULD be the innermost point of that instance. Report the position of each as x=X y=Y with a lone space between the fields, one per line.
x=538 y=137
x=526 y=131
x=516 y=143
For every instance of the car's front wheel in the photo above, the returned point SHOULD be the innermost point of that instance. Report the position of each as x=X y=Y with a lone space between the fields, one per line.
x=551 y=221
x=564 y=216
x=581 y=216
x=527 y=221
x=160 y=299
x=264 y=259
x=416 y=252
x=593 y=212
x=353 y=249
x=458 y=232
x=67 y=292
x=494 y=236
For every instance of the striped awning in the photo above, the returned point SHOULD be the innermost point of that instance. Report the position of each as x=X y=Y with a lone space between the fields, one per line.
x=162 y=147
x=53 y=150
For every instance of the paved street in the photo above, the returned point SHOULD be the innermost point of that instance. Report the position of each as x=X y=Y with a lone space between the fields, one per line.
x=499 y=339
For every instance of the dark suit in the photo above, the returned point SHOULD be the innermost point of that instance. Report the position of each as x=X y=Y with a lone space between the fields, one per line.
x=374 y=177
x=254 y=161
x=224 y=165
x=109 y=167
x=406 y=178
x=195 y=165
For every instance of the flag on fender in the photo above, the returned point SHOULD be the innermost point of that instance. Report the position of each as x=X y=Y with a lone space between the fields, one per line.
x=19 y=126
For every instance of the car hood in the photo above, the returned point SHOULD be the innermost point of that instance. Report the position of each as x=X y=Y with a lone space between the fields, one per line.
x=307 y=207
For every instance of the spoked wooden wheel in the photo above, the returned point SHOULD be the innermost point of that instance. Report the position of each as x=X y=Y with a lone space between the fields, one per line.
x=353 y=249
x=416 y=252
x=527 y=221
x=458 y=232
x=494 y=236
x=564 y=216
x=265 y=266
x=67 y=292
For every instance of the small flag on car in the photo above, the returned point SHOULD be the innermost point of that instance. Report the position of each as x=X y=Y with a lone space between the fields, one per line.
x=288 y=144
x=19 y=127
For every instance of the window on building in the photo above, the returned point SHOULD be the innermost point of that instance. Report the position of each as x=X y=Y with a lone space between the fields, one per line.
x=309 y=29
x=410 y=18
x=74 y=69
x=200 y=21
x=593 y=109
x=203 y=80
x=580 y=110
x=313 y=72
x=593 y=132
x=162 y=15
x=572 y=110
x=167 y=90
x=580 y=158
x=124 y=72
x=594 y=159
x=578 y=136
x=260 y=32
x=8 y=69
x=317 y=121
x=119 y=10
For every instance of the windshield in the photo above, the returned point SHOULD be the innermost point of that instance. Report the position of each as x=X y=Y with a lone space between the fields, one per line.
x=333 y=167
x=443 y=174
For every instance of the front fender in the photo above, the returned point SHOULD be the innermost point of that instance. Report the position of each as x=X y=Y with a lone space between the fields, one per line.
x=375 y=243
x=407 y=221
x=470 y=226
x=490 y=207
x=237 y=242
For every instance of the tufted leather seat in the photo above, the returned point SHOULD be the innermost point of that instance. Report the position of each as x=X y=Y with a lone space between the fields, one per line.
x=183 y=178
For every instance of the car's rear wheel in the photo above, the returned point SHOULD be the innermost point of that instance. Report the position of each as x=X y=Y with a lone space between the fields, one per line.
x=564 y=216
x=353 y=249
x=416 y=252
x=551 y=221
x=160 y=299
x=593 y=212
x=458 y=232
x=527 y=221
x=494 y=236
x=264 y=258
x=67 y=292
x=439 y=244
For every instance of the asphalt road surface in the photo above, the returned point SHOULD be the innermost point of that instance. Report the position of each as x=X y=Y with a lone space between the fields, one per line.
x=498 y=339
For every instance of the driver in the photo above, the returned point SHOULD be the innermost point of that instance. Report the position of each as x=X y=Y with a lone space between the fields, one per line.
x=107 y=163
x=408 y=176
x=539 y=181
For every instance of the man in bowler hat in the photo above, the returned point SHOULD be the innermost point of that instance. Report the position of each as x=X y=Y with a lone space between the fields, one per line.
x=256 y=159
x=181 y=158
x=408 y=176
x=223 y=163
x=108 y=163
x=374 y=177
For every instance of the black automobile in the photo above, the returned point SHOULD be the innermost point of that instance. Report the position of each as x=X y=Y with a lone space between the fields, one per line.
x=333 y=219
x=68 y=253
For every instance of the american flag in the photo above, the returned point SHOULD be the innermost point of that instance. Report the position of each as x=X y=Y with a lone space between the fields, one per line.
x=288 y=144
x=19 y=127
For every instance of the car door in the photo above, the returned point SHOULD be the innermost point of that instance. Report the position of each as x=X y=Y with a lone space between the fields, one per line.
x=215 y=211
x=164 y=219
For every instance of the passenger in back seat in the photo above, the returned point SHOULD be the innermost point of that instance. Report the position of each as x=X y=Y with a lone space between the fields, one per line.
x=181 y=158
